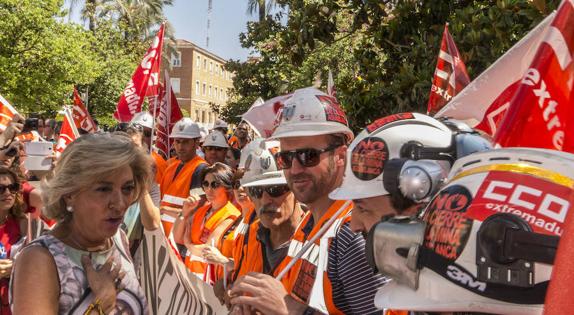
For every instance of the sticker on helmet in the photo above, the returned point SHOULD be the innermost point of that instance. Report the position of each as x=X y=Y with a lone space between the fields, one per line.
x=333 y=110
x=387 y=120
x=265 y=162
x=541 y=203
x=369 y=157
x=448 y=226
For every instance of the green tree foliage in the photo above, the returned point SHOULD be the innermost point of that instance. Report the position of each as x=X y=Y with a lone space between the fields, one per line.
x=382 y=53
x=40 y=57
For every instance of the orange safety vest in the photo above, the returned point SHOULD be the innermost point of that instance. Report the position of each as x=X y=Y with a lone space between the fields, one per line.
x=201 y=229
x=307 y=280
x=235 y=143
x=175 y=189
x=160 y=166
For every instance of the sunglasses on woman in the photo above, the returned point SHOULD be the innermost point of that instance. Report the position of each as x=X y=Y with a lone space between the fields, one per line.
x=214 y=185
x=306 y=157
x=13 y=188
x=273 y=191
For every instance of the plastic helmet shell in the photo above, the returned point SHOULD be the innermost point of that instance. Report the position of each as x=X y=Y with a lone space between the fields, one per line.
x=220 y=124
x=534 y=185
x=215 y=139
x=259 y=164
x=185 y=128
x=381 y=141
x=310 y=112
x=143 y=119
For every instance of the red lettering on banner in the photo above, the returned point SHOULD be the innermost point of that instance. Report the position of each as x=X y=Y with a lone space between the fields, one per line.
x=387 y=120
x=542 y=204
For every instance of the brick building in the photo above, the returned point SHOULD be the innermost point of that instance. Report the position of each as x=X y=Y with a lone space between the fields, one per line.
x=198 y=79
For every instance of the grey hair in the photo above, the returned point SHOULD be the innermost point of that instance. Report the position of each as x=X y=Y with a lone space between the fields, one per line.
x=87 y=160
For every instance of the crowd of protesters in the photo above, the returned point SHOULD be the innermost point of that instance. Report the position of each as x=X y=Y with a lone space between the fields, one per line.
x=283 y=225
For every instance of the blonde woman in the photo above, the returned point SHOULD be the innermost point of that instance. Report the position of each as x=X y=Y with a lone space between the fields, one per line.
x=83 y=265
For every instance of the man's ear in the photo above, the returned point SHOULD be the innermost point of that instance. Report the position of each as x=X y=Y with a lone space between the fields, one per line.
x=340 y=154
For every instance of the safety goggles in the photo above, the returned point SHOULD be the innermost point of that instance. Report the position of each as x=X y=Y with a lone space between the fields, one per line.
x=273 y=191
x=206 y=184
x=13 y=188
x=308 y=157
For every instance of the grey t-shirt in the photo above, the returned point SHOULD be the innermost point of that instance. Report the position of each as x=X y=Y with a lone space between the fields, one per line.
x=271 y=257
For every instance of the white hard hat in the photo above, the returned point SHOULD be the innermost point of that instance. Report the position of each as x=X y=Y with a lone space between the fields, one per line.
x=310 y=112
x=259 y=164
x=465 y=257
x=215 y=139
x=203 y=132
x=143 y=119
x=380 y=142
x=185 y=128
x=219 y=124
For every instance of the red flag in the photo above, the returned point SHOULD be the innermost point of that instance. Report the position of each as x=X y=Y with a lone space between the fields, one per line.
x=541 y=110
x=68 y=133
x=263 y=116
x=167 y=112
x=483 y=103
x=133 y=95
x=7 y=113
x=82 y=118
x=450 y=75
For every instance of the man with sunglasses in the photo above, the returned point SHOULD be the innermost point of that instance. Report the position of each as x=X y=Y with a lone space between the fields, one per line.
x=333 y=275
x=181 y=175
x=215 y=147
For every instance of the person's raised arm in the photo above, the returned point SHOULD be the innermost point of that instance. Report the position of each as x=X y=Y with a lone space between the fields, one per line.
x=149 y=213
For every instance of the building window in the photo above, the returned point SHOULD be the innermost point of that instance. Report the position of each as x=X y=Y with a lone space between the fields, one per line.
x=196 y=87
x=196 y=115
x=203 y=89
x=202 y=116
x=209 y=94
x=198 y=62
x=221 y=94
x=211 y=67
x=176 y=59
x=175 y=85
x=204 y=64
x=222 y=71
x=215 y=91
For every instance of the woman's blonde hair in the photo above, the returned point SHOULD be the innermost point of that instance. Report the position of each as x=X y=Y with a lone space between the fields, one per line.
x=87 y=160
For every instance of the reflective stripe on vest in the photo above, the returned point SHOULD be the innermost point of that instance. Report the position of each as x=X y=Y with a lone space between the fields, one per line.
x=173 y=200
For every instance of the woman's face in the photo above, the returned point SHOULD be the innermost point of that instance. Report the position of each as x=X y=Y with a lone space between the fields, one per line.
x=214 y=195
x=98 y=211
x=7 y=197
x=242 y=198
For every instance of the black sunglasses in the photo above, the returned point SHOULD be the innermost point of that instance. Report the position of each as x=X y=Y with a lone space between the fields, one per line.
x=236 y=184
x=214 y=184
x=147 y=133
x=14 y=188
x=273 y=191
x=307 y=157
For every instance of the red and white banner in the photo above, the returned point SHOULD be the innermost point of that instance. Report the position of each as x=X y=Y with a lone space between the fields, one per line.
x=540 y=114
x=450 y=76
x=81 y=116
x=263 y=116
x=331 y=90
x=483 y=103
x=132 y=98
x=167 y=112
x=7 y=113
x=68 y=133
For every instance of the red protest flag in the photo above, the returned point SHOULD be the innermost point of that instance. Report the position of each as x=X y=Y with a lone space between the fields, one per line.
x=82 y=118
x=540 y=114
x=68 y=133
x=166 y=113
x=7 y=113
x=450 y=75
x=331 y=90
x=132 y=98
x=483 y=103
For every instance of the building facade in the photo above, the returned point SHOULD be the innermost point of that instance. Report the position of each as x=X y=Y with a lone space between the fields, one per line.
x=198 y=79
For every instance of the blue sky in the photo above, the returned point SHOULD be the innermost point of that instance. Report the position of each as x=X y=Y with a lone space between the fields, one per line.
x=228 y=19
x=189 y=18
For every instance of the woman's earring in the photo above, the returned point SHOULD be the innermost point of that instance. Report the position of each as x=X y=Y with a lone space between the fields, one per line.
x=70 y=209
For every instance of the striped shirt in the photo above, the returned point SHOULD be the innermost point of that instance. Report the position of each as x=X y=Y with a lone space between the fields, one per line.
x=354 y=283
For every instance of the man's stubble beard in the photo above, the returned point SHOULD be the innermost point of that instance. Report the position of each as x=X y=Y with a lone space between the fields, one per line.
x=320 y=187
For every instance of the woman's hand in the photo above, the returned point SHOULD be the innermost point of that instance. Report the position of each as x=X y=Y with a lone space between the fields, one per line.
x=213 y=255
x=5 y=268
x=190 y=205
x=104 y=282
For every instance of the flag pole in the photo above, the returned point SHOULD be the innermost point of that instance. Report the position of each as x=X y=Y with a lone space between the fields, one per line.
x=168 y=98
x=153 y=123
